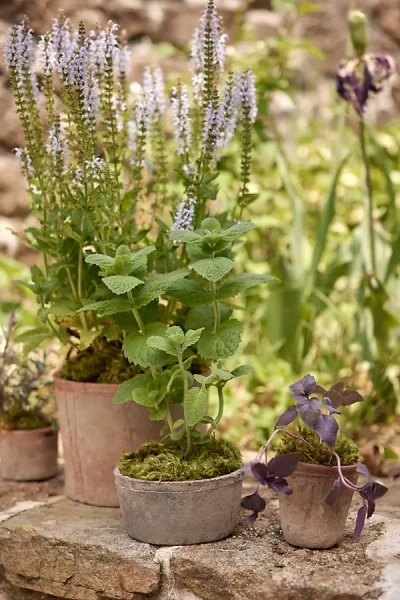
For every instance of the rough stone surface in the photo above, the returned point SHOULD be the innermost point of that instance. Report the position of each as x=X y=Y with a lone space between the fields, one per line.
x=79 y=552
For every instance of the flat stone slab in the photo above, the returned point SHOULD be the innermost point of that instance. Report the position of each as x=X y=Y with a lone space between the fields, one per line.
x=69 y=550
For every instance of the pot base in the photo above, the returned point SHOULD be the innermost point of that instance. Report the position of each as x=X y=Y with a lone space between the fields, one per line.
x=28 y=455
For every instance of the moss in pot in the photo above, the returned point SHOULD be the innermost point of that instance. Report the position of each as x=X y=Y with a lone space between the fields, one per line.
x=28 y=439
x=315 y=469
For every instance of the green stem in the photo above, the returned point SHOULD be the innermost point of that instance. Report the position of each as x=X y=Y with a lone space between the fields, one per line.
x=220 y=404
x=141 y=326
x=185 y=391
x=170 y=422
x=217 y=312
x=368 y=200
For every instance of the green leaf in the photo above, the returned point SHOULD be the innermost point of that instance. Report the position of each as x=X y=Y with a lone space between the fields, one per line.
x=192 y=337
x=32 y=338
x=137 y=350
x=210 y=225
x=86 y=338
x=195 y=405
x=184 y=236
x=190 y=292
x=124 y=392
x=70 y=233
x=121 y=284
x=213 y=269
x=59 y=309
x=107 y=307
x=222 y=344
x=100 y=260
x=240 y=283
x=158 y=414
x=204 y=316
x=163 y=344
x=242 y=370
x=157 y=285
x=237 y=230
x=140 y=393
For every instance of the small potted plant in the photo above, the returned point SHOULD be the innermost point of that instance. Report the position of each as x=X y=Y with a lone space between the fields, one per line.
x=101 y=180
x=321 y=466
x=28 y=439
x=186 y=490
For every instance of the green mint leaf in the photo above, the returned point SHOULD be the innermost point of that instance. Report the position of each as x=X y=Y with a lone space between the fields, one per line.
x=222 y=344
x=237 y=230
x=33 y=337
x=140 y=393
x=175 y=335
x=213 y=269
x=163 y=344
x=192 y=337
x=210 y=225
x=107 y=307
x=184 y=236
x=204 y=316
x=157 y=286
x=242 y=370
x=190 y=292
x=195 y=405
x=124 y=392
x=100 y=260
x=240 y=283
x=137 y=350
x=158 y=414
x=121 y=284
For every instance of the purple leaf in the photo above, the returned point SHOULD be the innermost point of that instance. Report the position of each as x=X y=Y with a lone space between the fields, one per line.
x=331 y=409
x=350 y=397
x=287 y=417
x=251 y=519
x=380 y=490
x=334 y=396
x=254 y=502
x=339 y=387
x=327 y=429
x=309 y=410
x=360 y=521
x=362 y=469
x=284 y=465
x=333 y=495
x=371 y=508
x=280 y=486
x=260 y=472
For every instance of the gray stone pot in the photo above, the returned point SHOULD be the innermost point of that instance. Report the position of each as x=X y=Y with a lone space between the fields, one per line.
x=306 y=520
x=178 y=513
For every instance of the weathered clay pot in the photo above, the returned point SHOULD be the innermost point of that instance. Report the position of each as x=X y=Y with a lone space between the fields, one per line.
x=95 y=432
x=307 y=520
x=28 y=455
x=178 y=513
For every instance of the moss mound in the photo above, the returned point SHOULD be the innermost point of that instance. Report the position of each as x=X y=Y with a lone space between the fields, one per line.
x=19 y=419
x=102 y=362
x=159 y=462
x=319 y=453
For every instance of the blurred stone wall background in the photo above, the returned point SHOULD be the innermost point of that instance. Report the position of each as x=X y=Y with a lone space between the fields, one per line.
x=148 y=22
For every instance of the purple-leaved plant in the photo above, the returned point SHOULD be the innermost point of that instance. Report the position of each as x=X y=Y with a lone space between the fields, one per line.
x=273 y=473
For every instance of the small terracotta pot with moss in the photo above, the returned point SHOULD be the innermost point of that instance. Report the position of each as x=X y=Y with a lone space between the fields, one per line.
x=28 y=448
x=307 y=520
x=168 y=501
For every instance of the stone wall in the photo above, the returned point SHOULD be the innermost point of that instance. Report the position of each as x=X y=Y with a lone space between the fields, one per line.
x=150 y=21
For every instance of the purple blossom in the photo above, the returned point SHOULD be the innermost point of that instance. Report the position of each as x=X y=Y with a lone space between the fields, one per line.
x=185 y=214
x=212 y=127
x=122 y=60
x=181 y=119
x=57 y=145
x=228 y=110
x=245 y=83
x=356 y=79
x=103 y=46
x=19 y=58
x=208 y=38
x=62 y=43
x=153 y=87
x=23 y=156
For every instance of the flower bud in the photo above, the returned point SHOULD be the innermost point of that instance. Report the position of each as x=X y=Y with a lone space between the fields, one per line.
x=358 y=27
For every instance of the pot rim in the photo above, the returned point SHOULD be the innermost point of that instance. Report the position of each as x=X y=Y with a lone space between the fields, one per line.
x=177 y=486
x=28 y=432
x=68 y=385
x=324 y=470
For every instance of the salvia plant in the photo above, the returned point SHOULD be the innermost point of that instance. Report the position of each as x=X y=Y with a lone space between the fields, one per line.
x=96 y=163
x=308 y=409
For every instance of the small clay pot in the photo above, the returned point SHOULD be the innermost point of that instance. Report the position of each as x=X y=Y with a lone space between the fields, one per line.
x=178 y=513
x=28 y=455
x=307 y=521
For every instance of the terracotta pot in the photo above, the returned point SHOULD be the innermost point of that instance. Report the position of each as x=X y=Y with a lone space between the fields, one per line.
x=178 y=513
x=28 y=455
x=95 y=432
x=307 y=520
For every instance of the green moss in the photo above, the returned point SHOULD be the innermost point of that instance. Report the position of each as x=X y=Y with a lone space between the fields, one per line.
x=20 y=419
x=319 y=453
x=102 y=362
x=159 y=462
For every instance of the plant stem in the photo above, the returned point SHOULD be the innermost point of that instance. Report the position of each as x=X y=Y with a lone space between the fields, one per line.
x=185 y=391
x=368 y=200
x=217 y=312
x=221 y=405
x=140 y=325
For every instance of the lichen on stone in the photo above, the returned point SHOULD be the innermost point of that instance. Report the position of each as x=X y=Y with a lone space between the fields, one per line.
x=102 y=362
x=158 y=462
x=319 y=453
